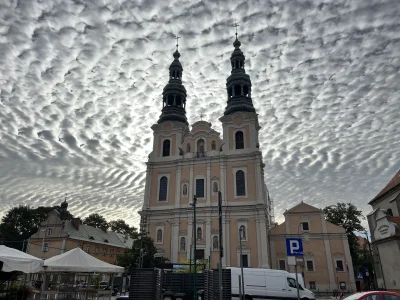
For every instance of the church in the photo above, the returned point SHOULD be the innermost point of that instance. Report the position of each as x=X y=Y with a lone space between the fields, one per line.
x=198 y=161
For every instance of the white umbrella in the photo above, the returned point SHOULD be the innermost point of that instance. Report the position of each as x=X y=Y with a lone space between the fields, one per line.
x=15 y=260
x=77 y=260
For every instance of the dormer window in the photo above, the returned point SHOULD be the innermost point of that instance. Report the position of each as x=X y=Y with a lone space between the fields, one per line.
x=166 y=148
x=105 y=241
x=91 y=238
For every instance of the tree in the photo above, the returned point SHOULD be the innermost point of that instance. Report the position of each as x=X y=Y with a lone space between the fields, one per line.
x=130 y=259
x=96 y=220
x=120 y=226
x=347 y=216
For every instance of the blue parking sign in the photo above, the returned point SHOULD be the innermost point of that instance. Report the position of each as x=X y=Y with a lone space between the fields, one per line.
x=294 y=247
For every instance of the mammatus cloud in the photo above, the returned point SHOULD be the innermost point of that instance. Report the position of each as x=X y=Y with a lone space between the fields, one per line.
x=80 y=86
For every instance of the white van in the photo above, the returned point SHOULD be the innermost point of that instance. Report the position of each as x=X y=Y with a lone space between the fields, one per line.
x=268 y=284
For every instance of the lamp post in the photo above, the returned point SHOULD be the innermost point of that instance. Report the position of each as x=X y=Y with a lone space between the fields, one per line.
x=194 y=244
x=304 y=277
x=241 y=263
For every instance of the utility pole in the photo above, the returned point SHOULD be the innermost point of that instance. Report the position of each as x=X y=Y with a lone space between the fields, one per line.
x=194 y=244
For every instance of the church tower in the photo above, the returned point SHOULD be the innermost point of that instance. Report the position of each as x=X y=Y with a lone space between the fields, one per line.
x=197 y=162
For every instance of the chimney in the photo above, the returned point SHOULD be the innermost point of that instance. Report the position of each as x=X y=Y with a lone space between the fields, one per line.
x=76 y=222
x=126 y=236
x=104 y=228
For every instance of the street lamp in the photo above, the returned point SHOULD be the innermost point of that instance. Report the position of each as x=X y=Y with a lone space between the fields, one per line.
x=241 y=232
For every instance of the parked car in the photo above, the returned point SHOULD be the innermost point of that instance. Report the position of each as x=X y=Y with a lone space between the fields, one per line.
x=267 y=283
x=103 y=284
x=374 y=295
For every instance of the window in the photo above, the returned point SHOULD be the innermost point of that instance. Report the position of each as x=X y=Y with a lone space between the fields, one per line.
x=200 y=146
x=313 y=286
x=200 y=188
x=199 y=254
x=310 y=265
x=111 y=252
x=389 y=297
x=166 y=148
x=88 y=250
x=339 y=265
x=188 y=148
x=245 y=260
x=159 y=236
x=242 y=232
x=239 y=141
x=183 y=244
x=215 y=187
x=291 y=282
x=45 y=247
x=163 y=189
x=305 y=226
x=49 y=231
x=184 y=190
x=282 y=264
x=240 y=183
x=389 y=212
x=104 y=252
x=199 y=234
x=96 y=251
x=215 y=242
x=213 y=145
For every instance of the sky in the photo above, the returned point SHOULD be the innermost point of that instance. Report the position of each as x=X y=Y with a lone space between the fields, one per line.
x=81 y=84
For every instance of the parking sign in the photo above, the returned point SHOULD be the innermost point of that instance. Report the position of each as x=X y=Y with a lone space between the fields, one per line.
x=294 y=247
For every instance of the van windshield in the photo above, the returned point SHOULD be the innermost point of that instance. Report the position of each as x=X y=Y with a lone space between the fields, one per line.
x=292 y=283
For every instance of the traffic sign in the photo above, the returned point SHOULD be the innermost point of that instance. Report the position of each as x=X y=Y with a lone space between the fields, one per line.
x=359 y=275
x=294 y=247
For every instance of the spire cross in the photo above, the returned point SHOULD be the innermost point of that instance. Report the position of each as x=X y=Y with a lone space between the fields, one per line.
x=177 y=40
x=201 y=115
x=236 y=25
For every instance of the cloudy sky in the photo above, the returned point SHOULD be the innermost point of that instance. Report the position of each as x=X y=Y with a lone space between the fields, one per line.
x=80 y=86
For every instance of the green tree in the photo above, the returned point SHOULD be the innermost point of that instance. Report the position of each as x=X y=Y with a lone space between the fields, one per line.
x=120 y=226
x=130 y=259
x=96 y=220
x=349 y=217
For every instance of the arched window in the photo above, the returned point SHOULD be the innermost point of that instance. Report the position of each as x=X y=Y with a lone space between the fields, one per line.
x=389 y=212
x=199 y=233
x=200 y=146
x=240 y=183
x=238 y=90
x=159 y=236
x=213 y=145
x=182 y=246
x=215 y=187
x=184 y=190
x=162 y=195
x=188 y=148
x=166 y=147
x=242 y=232
x=239 y=140
x=215 y=242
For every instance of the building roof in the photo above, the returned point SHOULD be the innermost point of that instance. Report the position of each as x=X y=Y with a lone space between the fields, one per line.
x=395 y=181
x=97 y=235
x=302 y=207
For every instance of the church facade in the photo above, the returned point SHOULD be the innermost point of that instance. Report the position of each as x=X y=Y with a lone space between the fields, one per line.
x=198 y=161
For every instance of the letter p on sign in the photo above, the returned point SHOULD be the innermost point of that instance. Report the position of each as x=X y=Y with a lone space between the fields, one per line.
x=294 y=247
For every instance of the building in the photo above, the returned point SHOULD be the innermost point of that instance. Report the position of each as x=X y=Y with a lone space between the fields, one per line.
x=56 y=236
x=327 y=260
x=384 y=222
x=199 y=162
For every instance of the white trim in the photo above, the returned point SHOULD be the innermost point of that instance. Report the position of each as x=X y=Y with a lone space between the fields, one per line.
x=245 y=251
x=204 y=187
x=234 y=170
x=158 y=187
x=234 y=139
x=162 y=235
x=243 y=223
x=162 y=146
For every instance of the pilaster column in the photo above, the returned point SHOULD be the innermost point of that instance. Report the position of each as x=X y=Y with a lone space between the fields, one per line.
x=191 y=183
x=174 y=99
x=208 y=180
x=189 y=238
x=258 y=234
x=349 y=262
x=208 y=238
x=222 y=168
x=175 y=242
x=233 y=90
x=178 y=186
x=226 y=260
x=146 y=204
x=264 y=243
x=328 y=254
x=241 y=89
x=259 y=183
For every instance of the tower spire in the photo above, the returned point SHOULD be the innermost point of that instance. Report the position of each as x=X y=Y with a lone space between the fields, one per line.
x=238 y=84
x=174 y=93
